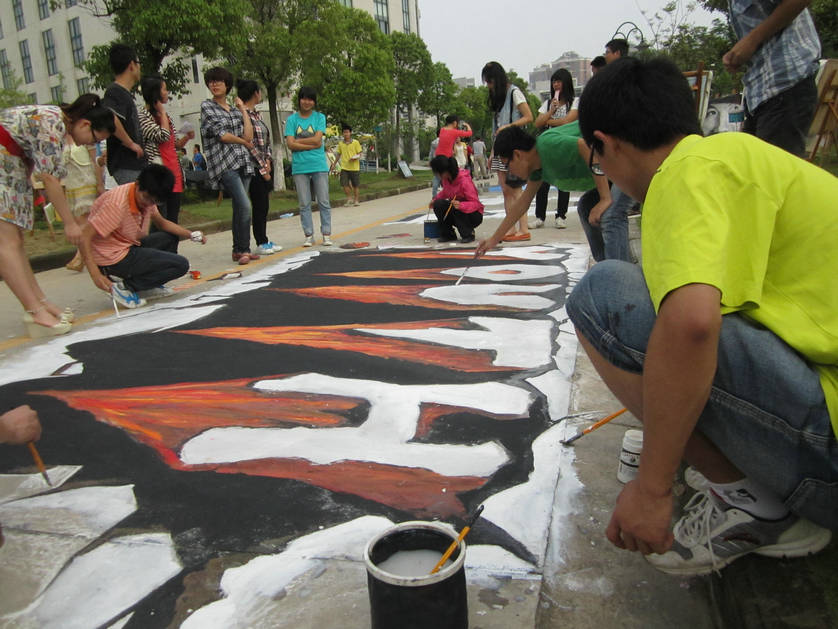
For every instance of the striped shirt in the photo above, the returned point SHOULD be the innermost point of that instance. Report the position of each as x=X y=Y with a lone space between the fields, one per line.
x=119 y=224
x=780 y=62
x=261 y=150
x=222 y=156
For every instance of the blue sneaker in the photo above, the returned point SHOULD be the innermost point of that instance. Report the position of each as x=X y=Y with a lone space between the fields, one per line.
x=125 y=297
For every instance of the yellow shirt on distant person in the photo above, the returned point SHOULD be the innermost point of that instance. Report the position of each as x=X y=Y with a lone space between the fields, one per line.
x=760 y=225
x=347 y=152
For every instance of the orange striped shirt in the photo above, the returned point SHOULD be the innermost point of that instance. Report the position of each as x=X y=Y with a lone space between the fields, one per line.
x=119 y=224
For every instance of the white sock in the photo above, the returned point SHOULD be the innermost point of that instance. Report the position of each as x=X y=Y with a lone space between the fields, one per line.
x=752 y=497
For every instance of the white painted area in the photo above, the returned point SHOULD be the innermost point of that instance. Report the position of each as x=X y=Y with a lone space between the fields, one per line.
x=525 y=511
x=97 y=587
x=508 y=272
x=17 y=486
x=119 y=624
x=253 y=591
x=504 y=295
x=516 y=343
x=565 y=500
x=383 y=438
x=86 y=511
x=484 y=560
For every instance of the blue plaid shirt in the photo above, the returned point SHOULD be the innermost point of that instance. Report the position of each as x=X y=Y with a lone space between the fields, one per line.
x=780 y=62
x=222 y=156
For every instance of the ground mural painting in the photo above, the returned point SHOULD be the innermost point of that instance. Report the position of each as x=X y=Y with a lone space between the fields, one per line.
x=293 y=412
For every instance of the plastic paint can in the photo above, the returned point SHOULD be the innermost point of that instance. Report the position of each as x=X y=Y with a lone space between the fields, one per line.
x=196 y=275
x=429 y=601
x=630 y=455
x=431 y=230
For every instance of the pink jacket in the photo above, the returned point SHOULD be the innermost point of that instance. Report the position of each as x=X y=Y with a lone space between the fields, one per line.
x=462 y=189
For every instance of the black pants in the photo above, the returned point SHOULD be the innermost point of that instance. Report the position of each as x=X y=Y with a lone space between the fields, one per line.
x=541 y=202
x=170 y=210
x=465 y=222
x=784 y=119
x=260 y=191
x=150 y=265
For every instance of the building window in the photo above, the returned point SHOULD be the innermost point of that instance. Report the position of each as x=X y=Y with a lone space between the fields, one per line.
x=382 y=16
x=75 y=41
x=406 y=15
x=26 y=62
x=49 y=52
x=32 y=98
x=346 y=3
x=17 y=7
x=196 y=78
x=69 y=3
x=56 y=93
x=6 y=71
x=83 y=85
x=43 y=9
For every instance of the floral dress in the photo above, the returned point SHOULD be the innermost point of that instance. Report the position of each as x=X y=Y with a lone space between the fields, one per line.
x=39 y=131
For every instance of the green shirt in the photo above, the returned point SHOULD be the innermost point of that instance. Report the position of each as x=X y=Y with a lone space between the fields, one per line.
x=759 y=224
x=561 y=164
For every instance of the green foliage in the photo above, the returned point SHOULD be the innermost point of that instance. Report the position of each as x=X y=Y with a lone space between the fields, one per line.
x=12 y=96
x=436 y=99
x=825 y=15
x=693 y=44
x=413 y=67
x=157 y=29
x=472 y=106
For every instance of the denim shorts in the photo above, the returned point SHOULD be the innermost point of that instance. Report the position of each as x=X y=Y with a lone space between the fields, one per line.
x=766 y=410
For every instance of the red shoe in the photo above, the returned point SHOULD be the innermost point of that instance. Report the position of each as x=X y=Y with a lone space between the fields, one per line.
x=245 y=257
x=517 y=237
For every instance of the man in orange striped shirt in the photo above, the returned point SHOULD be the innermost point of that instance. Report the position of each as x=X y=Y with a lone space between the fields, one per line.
x=116 y=240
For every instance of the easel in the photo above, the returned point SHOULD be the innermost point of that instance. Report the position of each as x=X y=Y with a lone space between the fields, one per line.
x=825 y=122
x=700 y=81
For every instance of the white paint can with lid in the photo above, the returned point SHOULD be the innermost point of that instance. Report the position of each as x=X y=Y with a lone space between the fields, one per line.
x=630 y=455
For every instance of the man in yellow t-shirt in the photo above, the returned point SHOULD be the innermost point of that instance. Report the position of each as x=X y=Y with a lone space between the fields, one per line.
x=349 y=152
x=725 y=344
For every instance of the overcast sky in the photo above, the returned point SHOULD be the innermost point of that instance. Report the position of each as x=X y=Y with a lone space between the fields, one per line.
x=522 y=34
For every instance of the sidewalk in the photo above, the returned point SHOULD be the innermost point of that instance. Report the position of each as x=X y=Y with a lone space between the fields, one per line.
x=585 y=582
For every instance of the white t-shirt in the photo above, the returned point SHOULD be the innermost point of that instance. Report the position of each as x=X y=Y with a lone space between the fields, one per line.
x=562 y=110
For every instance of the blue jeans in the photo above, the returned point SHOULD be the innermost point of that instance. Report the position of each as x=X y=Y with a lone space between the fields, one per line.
x=610 y=240
x=766 y=411
x=303 y=183
x=435 y=183
x=150 y=265
x=236 y=183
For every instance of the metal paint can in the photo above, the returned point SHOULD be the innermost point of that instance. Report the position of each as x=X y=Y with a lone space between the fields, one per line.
x=196 y=275
x=432 y=601
x=431 y=230
x=630 y=455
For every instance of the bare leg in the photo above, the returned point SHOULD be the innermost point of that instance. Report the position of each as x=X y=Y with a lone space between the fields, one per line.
x=627 y=386
x=17 y=273
x=509 y=197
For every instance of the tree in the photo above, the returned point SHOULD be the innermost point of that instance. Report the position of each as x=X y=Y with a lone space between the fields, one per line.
x=475 y=109
x=412 y=74
x=11 y=96
x=347 y=59
x=159 y=29
x=693 y=44
x=438 y=96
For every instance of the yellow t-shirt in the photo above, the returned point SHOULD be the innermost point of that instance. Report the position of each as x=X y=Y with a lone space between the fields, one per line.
x=760 y=225
x=346 y=152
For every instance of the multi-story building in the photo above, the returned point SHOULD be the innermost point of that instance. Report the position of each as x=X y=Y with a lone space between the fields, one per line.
x=464 y=82
x=579 y=68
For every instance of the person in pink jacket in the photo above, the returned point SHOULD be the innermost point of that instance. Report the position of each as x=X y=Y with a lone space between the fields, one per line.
x=456 y=204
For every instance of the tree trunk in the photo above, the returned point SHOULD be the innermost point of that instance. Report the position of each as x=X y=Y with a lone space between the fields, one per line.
x=278 y=141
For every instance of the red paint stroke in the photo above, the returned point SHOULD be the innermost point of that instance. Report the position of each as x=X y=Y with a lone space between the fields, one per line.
x=355 y=245
x=446 y=254
x=402 y=235
x=412 y=274
x=394 y=295
x=165 y=417
x=505 y=272
x=349 y=338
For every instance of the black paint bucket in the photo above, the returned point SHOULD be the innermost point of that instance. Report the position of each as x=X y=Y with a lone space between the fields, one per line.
x=429 y=601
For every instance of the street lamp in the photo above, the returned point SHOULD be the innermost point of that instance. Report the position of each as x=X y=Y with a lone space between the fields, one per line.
x=632 y=34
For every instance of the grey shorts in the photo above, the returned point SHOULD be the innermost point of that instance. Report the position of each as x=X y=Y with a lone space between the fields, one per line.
x=350 y=177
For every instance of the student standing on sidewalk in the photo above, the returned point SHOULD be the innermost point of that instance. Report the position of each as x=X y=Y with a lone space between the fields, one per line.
x=349 y=152
x=304 y=133
x=125 y=154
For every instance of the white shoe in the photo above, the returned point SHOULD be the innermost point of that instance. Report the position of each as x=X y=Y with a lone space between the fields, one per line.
x=711 y=534
x=560 y=223
x=155 y=293
x=348 y=203
x=695 y=479
x=125 y=296
x=535 y=224
x=309 y=241
x=327 y=241
x=265 y=250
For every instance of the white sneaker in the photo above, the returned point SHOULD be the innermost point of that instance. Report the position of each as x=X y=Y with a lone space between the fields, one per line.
x=265 y=249
x=560 y=223
x=155 y=293
x=275 y=247
x=535 y=224
x=125 y=297
x=695 y=479
x=711 y=534
x=309 y=241
x=349 y=203
x=327 y=241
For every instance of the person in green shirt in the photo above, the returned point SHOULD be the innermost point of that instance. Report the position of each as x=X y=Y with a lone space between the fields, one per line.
x=725 y=344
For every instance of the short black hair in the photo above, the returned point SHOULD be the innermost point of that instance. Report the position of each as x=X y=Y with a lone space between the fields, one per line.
x=646 y=103
x=307 y=92
x=445 y=164
x=120 y=57
x=150 y=87
x=618 y=45
x=451 y=118
x=511 y=139
x=157 y=180
x=598 y=62
x=219 y=74
x=345 y=127
x=246 y=88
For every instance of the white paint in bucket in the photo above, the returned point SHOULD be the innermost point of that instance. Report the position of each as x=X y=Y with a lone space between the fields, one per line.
x=413 y=563
x=630 y=455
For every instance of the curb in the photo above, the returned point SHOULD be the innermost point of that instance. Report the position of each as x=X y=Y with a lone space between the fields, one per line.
x=56 y=259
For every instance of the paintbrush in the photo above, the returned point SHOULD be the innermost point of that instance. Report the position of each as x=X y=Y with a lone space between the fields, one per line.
x=457 y=541
x=601 y=422
x=41 y=468
x=457 y=283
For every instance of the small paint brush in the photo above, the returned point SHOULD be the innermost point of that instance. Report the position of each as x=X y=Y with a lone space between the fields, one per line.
x=601 y=422
x=37 y=457
x=457 y=283
x=457 y=541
